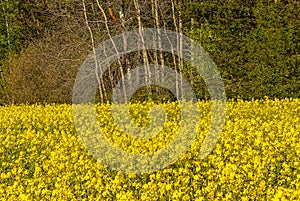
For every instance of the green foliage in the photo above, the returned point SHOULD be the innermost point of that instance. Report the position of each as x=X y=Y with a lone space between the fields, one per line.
x=21 y=22
x=255 y=44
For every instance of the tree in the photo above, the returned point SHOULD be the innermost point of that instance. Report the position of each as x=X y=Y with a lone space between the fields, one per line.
x=254 y=44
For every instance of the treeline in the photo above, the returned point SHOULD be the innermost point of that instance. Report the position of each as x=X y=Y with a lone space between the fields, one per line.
x=255 y=45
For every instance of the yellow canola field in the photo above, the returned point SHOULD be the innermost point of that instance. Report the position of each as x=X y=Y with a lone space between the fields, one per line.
x=256 y=158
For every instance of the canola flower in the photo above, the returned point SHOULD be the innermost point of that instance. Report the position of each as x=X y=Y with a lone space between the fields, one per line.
x=256 y=158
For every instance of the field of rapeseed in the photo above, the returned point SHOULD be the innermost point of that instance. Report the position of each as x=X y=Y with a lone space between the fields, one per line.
x=256 y=158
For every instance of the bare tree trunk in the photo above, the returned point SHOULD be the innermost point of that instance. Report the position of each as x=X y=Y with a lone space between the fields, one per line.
x=157 y=24
x=181 y=51
x=126 y=60
x=117 y=52
x=155 y=40
x=191 y=77
x=6 y=23
x=144 y=51
x=8 y=43
x=157 y=20
x=178 y=46
x=179 y=29
x=100 y=83
x=110 y=75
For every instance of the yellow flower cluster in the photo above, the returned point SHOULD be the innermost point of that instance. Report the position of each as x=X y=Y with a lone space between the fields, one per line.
x=256 y=158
